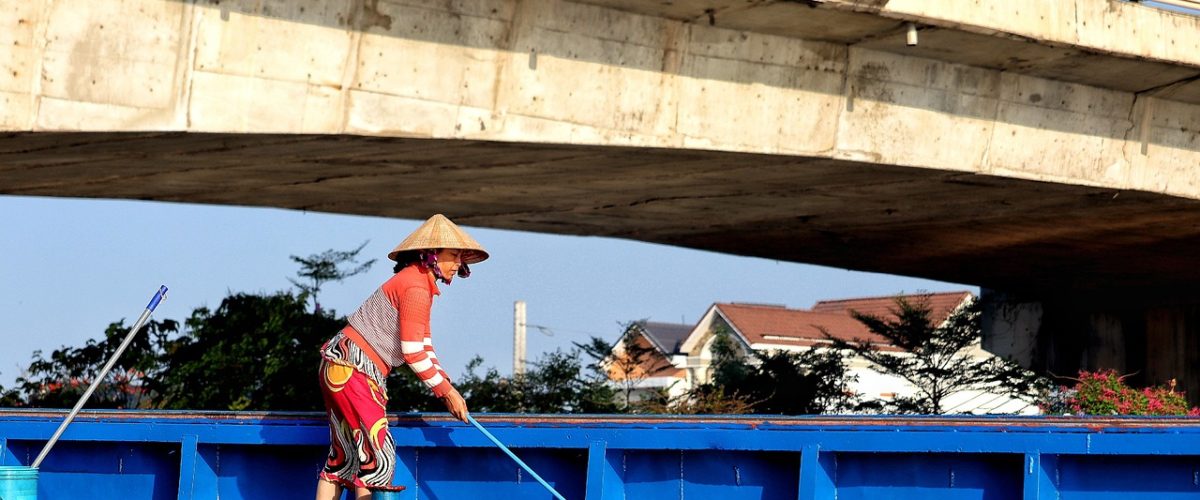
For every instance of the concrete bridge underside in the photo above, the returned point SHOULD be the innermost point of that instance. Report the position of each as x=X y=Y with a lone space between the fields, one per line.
x=1044 y=149
x=997 y=232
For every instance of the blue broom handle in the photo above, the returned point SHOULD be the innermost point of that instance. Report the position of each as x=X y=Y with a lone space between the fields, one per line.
x=514 y=457
x=162 y=292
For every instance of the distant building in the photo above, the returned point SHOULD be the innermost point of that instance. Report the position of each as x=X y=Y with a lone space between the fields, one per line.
x=681 y=356
x=661 y=363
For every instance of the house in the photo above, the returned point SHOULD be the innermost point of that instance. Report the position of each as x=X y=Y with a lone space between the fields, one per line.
x=647 y=357
x=767 y=327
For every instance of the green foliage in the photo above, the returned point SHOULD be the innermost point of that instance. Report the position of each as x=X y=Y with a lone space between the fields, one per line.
x=253 y=352
x=318 y=269
x=558 y=382
x=10 y=398
x=406 y=393
x=60 y=380
x=780 y=382
x=1105 y=393
x=729 y=364
x=490 y=391
x=627 y=369
x=555 y=383
x=706 y=399
x=260 y=352
x=936 y=358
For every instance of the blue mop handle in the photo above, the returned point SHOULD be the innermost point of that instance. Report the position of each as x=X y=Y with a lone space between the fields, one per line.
x=514 y=457
x=162 y=292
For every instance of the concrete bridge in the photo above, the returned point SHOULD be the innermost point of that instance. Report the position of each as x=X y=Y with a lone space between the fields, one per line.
x=1046 y=150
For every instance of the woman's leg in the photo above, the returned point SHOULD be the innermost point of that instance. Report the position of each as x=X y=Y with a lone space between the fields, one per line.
x=362 y=451
x=377 y=449
x=341 y=462
x=329 y=490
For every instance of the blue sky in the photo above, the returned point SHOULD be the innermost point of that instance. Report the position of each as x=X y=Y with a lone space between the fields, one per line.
x=72 y=266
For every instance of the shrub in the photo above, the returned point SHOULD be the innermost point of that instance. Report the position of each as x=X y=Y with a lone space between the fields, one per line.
x=1104 y=392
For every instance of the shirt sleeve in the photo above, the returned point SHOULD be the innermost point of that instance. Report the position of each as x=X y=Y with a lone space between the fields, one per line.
x=415 y=343
x=433 y=355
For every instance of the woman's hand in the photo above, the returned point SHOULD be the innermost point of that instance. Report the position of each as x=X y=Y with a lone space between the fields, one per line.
x=455 y=404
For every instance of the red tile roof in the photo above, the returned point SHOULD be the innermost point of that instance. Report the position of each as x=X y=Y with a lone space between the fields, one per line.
x=942 y=304
x=762 y=324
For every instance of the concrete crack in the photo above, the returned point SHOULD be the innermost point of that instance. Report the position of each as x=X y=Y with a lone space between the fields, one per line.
x=189 y=70
x=648 y=201
x=1076 y=4
x=1132 y=125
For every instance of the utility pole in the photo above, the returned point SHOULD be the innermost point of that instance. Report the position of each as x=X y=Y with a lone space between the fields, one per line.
x=518 y=338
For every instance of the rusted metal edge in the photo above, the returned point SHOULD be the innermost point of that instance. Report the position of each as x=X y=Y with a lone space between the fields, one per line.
x=269 y=417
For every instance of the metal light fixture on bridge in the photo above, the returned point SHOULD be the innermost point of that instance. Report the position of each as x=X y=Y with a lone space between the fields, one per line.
x=911 y=38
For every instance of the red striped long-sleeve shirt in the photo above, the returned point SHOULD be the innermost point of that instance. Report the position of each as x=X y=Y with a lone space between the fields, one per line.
x=392 y=327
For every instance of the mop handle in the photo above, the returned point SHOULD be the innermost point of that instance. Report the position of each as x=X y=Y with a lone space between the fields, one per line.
x=514 y=457
x=162 y=292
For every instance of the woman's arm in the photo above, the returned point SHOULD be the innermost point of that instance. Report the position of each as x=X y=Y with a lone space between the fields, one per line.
x=415 y=303
x=433 y=355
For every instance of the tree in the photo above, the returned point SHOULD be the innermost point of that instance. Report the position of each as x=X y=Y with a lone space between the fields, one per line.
x=627 y=365
x=326 y=266
x=10 y=398
x=556 y=383
x=261 y=352
x=706 y=399
x=60 y=380
x=492 y=392
x=257 y=352
x=936 y=360
x=781 y=382
x=777 y=382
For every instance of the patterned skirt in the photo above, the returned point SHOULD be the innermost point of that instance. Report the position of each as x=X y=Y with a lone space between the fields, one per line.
x=361 y=450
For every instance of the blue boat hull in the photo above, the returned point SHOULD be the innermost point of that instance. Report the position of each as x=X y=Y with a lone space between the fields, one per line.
x=205 y=455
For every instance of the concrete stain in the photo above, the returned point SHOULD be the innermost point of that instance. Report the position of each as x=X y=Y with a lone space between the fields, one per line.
x=365 y=15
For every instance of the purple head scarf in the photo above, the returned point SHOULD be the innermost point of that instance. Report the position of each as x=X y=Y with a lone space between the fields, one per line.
x=429 y=260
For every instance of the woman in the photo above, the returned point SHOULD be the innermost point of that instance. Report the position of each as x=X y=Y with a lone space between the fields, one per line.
x=390 y=329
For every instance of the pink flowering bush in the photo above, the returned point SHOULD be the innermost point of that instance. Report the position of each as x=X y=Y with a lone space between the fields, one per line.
x=1105 y=393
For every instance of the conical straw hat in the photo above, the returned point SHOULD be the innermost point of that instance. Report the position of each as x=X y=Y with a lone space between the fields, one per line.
x=439 y=232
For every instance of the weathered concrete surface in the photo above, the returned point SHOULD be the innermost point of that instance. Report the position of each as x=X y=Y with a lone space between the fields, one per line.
x=1153 y=340
x=1114 y=44
x=559 y=72
x=957 y=226
x=850 y=143
x=1046 y=148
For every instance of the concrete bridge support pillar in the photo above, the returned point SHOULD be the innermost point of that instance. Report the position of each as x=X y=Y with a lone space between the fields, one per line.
x=1152 y=339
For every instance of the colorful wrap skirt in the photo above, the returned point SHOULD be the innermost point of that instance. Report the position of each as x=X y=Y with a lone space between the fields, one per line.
x=362 y=453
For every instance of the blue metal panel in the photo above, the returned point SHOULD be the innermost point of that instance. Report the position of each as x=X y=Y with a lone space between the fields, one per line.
x=652 y=474
x=908 y=476
x=1041 y=477
x=741 y=475
x=450 y=473
x=817 y=472
x=204 y=477
x=1128 y=477
x=6 y=455
x=710 y=474
x=106 y=470
x=202 y=455
x=406 y=473
x=189 y=455
x=253 y=472
x=604 y=473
